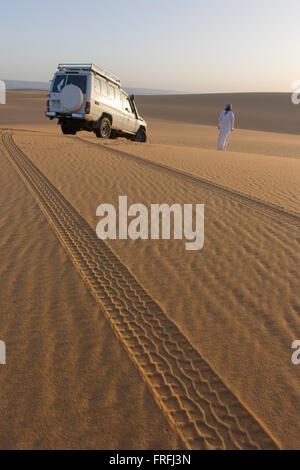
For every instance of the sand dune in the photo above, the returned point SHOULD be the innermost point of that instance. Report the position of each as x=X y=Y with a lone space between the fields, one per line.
x=204 y=338
x=68 y=383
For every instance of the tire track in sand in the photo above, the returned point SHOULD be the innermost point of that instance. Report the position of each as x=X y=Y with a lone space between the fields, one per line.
x=264 y=207
x=206 y=414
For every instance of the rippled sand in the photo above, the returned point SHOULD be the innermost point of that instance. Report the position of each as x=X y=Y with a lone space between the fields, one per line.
x=74 y=379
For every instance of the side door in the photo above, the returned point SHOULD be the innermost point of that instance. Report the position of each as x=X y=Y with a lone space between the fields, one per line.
x=118 y=113
x=129 y=119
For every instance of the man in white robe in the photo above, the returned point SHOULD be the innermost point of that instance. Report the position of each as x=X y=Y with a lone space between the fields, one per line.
x=226 y=126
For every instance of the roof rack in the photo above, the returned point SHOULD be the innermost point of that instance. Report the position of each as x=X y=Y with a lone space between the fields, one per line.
x=93 y=68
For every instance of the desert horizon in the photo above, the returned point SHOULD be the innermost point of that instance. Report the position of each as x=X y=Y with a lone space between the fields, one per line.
x=280 y=114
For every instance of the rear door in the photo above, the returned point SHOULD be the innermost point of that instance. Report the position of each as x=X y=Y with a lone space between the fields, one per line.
x=60 y=81
x=81 y=81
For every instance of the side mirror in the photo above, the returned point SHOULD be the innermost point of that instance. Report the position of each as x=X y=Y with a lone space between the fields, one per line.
x=132 y=97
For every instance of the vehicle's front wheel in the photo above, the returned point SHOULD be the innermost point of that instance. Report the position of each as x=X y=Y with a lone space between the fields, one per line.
x=104 y=130
x=140 y=136
x=67 y=130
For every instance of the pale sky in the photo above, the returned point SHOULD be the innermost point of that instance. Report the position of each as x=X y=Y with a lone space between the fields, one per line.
x=192 y=45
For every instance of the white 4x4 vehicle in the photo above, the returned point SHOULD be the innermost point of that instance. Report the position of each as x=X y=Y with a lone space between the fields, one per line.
x=87 y=97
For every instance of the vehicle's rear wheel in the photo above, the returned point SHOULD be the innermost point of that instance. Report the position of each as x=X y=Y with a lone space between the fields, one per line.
x=67 y=130
x=104 y=130
x=140 y=136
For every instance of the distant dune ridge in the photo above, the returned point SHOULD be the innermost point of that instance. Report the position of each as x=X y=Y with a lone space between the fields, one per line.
x=26 y=85
x=270 y=112
x=140 y=344
x=29 y=85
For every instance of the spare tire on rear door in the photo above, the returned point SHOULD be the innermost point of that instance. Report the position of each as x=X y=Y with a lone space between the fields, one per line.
x=71 y=98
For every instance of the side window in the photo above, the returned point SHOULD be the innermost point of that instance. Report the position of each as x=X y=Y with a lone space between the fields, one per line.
x=97 y=85
x=118 y=97
x=126 y=104
x=111 y=92
x=103 y=87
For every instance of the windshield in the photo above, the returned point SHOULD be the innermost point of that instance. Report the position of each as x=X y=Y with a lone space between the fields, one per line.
x=61 y=81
